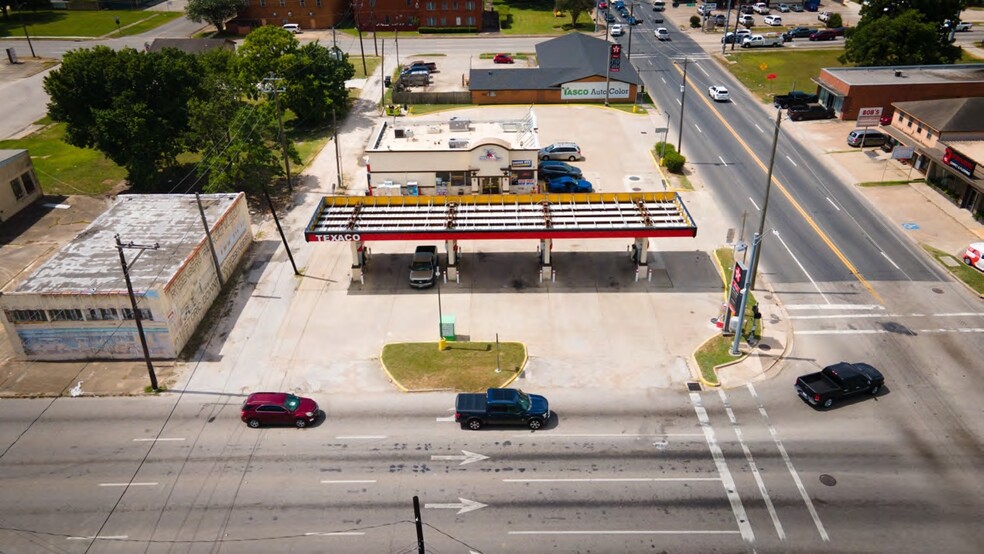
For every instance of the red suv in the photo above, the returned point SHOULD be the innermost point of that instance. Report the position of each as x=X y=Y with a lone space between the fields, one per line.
x=824 y=34
x=279 y=408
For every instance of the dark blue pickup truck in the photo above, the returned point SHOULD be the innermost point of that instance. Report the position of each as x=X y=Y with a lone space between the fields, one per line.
x=839 y=381
x=501 y=407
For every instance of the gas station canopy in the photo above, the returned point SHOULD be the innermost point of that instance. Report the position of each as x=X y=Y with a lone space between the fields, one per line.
x=496 y=216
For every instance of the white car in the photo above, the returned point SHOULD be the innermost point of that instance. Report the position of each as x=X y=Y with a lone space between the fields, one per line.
x=823 y=16
x=761 y=8
x=773 y=20
x=616 y=30
x=662 y=34
x=718 y=93
x=963 y=26
x=974 y=256
x=746 y=20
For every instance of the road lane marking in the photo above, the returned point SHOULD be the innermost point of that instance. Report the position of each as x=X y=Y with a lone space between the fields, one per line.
x=724 y=163
x=856 y=316
x=128 y=484
x=785 y=191
x=698 y=128
x=346 y=481
x=757 y=127
x=678 y=101
x=891 y=261
x=162 y=439
x=463 y=506
x=466 y=457
x=751 y=464
x=611 y=435
x=706 y=74
x=880 y=331
x=633 y=532
x=337 y=534
x=803 y=269
x=100 y=537
x=449 y=418
x=757 y=208
x=722 y=466
x=794 y=163
x=836 y=207
x=359 y=437
x=789 y=465
x=835 y=307
x=613 y=480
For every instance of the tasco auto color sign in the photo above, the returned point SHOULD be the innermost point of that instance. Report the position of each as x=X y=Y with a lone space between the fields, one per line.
x=592 y=91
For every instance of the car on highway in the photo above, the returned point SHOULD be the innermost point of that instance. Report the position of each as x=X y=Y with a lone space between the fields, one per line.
x=799 y=32
x=806 y=112
x=718 y=93
x=602 y=5
x=824 y=34
x=609 y=17
x=773 y=20
x=838 y=381
x=501 y=407
x=662 y=34
x=551 y=169
x=659 y=5
x=616 y=30
x=739 y=36
x=279 y=408
x=568 y=184
x=963 y=26
x=502 y=58
x=561 y=151
x=974 y=256
x=633 y=20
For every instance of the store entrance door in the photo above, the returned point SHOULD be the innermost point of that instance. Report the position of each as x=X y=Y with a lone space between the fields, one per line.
x=489 y=185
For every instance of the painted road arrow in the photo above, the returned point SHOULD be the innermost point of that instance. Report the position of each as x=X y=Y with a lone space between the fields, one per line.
x=468 y=457
x=464 y=505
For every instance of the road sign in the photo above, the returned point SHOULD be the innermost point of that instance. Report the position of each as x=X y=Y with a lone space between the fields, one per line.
x=615 y=61
x=739 y=277
x=869 y=117
x=903 y=152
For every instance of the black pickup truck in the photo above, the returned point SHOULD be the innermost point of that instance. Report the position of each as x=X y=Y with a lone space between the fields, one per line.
x=838 y=381
x=793 y=98
x=501 y=407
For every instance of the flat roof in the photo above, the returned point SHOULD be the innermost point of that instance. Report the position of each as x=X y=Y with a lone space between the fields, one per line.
x=501 y=216
x=409 y=134
x=910 y=74
x=90 y=263
x=6 y=155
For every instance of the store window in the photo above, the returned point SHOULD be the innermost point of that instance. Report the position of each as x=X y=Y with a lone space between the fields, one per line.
x=25 y=316
x=452 y=178
x=65 y=315
x=17 y=188
x=145 y=314
x=101 y=314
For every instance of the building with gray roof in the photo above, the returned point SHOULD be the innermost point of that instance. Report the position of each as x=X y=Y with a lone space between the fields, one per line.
x=75 y=305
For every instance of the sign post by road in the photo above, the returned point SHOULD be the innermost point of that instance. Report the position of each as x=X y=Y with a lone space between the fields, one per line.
x=869 y=117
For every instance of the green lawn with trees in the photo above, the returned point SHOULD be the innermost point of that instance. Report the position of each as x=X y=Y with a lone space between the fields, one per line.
x=79 y=23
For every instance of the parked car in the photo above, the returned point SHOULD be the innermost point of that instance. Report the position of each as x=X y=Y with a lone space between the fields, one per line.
x=824 y=16
x=662 y=34
x=616 y=30
x=278 y=408
x=792 y=98
x=784 y=8
x=718 y=93
x=747 y=9
x=739 y=36
x=806 y=112
x=865 y=137
x=773 y=20
x=501 y=406
x=292 y=27
x=502 y=58
x=659 y=5
x=963 y=26
x=568 y=184
x=718 y=19
x=886 y=118
x=798 y=8
x=561 y=151
x=761 y=8
x=550 y=169
x=424 y=267
x=602 y=5
x=839 y=381
x=431 y=66
x=799 y=32
x=974 y=256
x=705 y=9
x=746 y=20
x=823 y=34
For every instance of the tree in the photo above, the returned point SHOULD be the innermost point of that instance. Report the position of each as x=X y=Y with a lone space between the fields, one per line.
x=574 y=7
x=940 y=15
x=215 y=12
x=903 y=39
x=316 y=84
x=129 y=105
x=834 y=21
x=268 y=49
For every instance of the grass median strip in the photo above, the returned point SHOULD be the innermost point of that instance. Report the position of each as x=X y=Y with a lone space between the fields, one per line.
x=461 y=367
x=972 y=277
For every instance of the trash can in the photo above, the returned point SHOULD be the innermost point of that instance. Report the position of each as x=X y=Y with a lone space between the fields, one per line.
x=447 y=327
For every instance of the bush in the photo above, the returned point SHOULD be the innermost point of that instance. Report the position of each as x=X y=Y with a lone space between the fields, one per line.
x=694 y=21
x=658 y=148
x=674 y=162
x=835 y=21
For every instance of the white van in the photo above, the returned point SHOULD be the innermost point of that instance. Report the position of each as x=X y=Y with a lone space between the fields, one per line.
x=292 y=27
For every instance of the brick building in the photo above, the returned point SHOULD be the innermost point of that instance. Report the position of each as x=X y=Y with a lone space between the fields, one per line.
x=368 y=15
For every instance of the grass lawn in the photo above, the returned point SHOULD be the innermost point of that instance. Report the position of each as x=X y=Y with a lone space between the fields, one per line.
x=65 y=169
x=372 y=62
x=967 y=274
x=793 y=70
x=536 y=17
x=68 y=23
x=713 y=353
x=462 y=367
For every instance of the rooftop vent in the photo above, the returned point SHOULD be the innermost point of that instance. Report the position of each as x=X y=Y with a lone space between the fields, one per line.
x=458 y=143
x=459 y=124
x=898 y=72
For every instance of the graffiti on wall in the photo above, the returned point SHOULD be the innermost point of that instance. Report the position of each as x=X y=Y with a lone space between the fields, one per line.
x=106 y=342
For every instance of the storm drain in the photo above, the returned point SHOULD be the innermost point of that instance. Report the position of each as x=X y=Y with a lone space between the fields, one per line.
x=828 y=480
x=693 y=386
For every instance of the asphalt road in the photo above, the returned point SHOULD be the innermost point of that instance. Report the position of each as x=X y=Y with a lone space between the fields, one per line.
x=627 y=472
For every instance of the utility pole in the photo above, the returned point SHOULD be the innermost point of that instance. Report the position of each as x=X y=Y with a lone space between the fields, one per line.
x=280 y=229
x=765 y=204
x=372 y=21
x=382 y=80
x=362 y=48
x=396 y=40
x=208 y=238
x=133 y=302
x=419 y=524
x=608 y=73
x=338 y=156
x=270 y=87
x=27 y=35
x=683 y=99
x=727 y=23
x=628 y=48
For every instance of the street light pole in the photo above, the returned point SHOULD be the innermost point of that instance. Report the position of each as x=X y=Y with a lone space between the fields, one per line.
x=133 y=303
x=765 y=204
x=756 y=240
x=683 y=99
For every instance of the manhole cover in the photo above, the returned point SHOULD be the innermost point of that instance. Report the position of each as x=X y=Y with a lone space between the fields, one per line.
x=764 y=347
x=937 y=290
x=634 y=178
x=693 y=386
x=636 y=189
x=828 y=480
